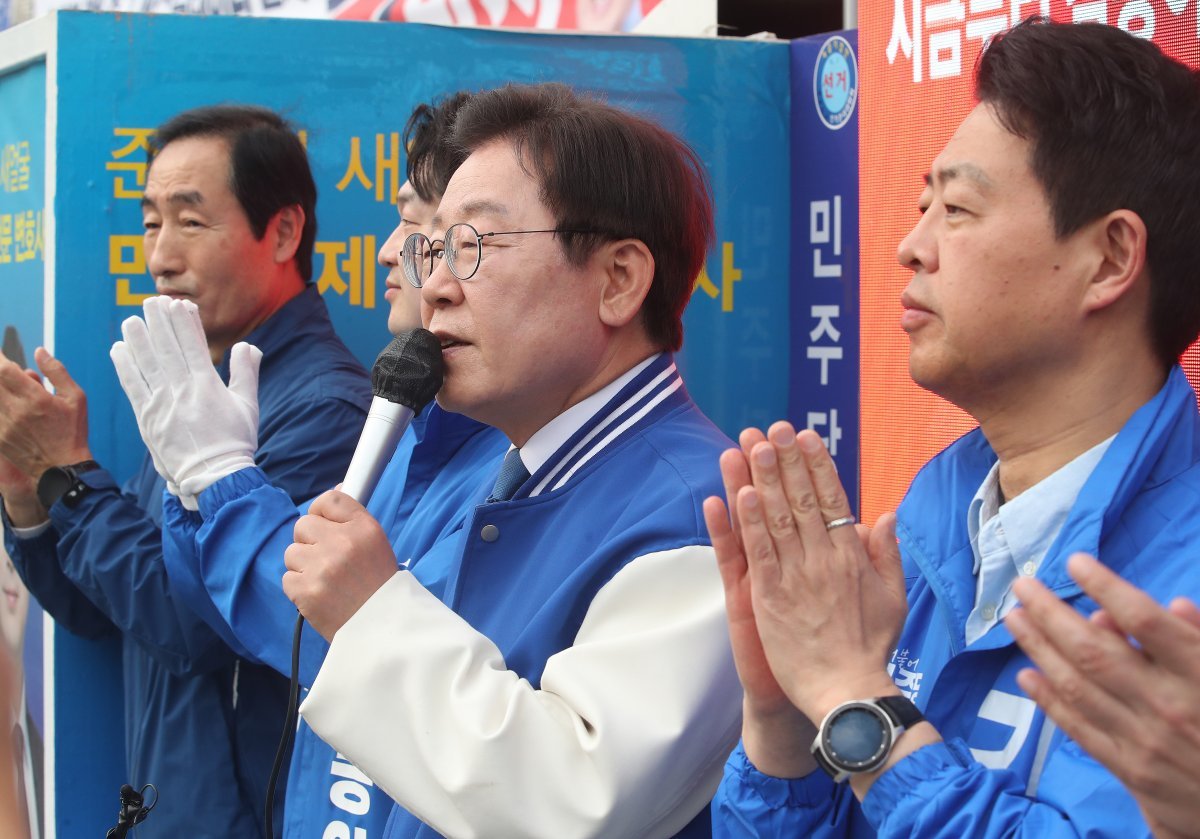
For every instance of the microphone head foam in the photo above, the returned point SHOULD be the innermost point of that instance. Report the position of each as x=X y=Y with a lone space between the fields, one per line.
x=409 y=370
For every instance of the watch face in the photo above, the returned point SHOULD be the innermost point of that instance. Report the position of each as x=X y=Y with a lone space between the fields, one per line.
x=856 y=737
x=53 y=485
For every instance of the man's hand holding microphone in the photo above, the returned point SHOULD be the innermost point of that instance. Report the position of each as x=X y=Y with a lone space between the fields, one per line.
x=199 y=430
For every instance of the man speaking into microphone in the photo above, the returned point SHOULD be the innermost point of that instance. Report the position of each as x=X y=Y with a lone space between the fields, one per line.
x=570 y=675
x=574 y=676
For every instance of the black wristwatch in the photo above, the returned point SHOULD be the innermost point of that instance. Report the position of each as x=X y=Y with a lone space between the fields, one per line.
x=858 y=736
x=63 y=483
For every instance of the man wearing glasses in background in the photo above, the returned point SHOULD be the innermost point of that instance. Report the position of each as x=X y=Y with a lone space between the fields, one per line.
x=573 y=677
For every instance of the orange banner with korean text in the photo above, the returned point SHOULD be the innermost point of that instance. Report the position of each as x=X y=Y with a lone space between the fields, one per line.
x=917 y=60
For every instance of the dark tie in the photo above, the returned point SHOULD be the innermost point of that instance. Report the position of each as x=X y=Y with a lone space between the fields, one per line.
x=512 y=474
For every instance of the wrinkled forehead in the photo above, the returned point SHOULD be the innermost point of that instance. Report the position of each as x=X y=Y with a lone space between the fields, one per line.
x=490 y=189
x=202 y=152
x=190 y=166
x=981 y=153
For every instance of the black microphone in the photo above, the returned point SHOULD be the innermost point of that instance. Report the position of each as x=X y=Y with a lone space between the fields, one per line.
x=133 y=812
x=406 y=376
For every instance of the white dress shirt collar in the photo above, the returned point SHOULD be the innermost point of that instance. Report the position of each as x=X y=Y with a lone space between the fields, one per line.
x=550 y=437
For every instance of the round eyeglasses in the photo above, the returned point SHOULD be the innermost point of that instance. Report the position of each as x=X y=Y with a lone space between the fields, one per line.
x=462 y=248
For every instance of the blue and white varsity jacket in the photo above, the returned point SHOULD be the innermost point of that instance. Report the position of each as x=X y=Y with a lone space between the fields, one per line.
x=574 y=678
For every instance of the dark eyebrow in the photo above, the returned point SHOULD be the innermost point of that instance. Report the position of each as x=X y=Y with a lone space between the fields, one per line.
x=961 y=170
x=191 y=198
x=474 y=208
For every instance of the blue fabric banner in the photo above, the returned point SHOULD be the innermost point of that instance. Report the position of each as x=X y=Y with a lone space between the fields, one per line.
x=823 y=393
x=349 y=87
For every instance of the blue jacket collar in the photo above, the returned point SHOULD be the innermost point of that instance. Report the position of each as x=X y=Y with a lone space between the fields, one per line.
x=438 y=427
x=932 y=522
x=654 y=392
x=304 y=315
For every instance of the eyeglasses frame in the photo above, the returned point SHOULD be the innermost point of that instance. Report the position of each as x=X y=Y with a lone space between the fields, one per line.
x=479 y=237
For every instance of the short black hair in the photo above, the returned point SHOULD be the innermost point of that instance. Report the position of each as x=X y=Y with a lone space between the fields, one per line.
x=432 y=158
x=600 y=168
x=268 y=166
x=1114 y=124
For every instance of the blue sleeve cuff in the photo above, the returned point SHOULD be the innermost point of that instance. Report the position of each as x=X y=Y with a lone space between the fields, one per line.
x=177 y=516
x=928 y=768
x=45 y=539
x=64 y=517
x=99 y=479
x=231 y=488
x=750 y=804
x=814 y=789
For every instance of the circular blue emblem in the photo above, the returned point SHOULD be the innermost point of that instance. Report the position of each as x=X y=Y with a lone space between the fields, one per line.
x=835 y=82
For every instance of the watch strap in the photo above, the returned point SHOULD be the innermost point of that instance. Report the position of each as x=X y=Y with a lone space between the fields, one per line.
x=823 y=762
x=901 y=710
x=70 y=487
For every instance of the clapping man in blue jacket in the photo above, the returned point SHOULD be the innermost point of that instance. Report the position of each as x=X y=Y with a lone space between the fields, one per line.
x=229 y=215
x=1053 y=290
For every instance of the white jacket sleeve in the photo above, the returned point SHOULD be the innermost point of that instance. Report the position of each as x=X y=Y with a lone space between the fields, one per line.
x=626 y=737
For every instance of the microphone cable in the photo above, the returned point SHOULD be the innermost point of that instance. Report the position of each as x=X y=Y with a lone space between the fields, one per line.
x=406 y=376
x=289 y=728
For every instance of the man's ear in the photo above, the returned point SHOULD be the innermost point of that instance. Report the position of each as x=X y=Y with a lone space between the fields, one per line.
x=628 y=269
x=287 y=228
x=1120 y=238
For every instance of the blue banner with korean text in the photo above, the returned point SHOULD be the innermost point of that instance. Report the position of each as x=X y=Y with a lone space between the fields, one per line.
x=22 y=207
x=349 y=88
x=22 y=314
x=823 y=392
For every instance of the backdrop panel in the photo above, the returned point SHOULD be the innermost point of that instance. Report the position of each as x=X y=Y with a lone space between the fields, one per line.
x=349 y=87
x=22 y=265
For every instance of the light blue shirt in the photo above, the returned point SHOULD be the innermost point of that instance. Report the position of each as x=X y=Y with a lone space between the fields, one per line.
x=1009 y=540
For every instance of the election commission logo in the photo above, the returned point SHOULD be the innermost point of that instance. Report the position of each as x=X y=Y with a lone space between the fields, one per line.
x=835 y=82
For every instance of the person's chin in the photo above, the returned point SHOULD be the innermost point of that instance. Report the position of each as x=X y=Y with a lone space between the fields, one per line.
x=456 y=399
x=12 y=635
x=399 y=322
x=922 y=368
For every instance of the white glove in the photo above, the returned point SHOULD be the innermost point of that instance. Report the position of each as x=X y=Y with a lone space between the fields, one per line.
x=120 y=358
x=189 y=502
x=197 y=429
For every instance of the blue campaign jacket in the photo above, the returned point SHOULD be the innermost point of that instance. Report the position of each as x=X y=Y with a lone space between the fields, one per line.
x=200 y=725
x=629 y=483
x=227 y=562
x=1004 y=769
